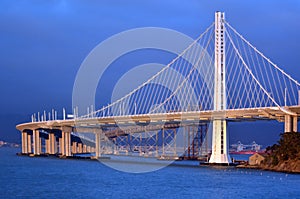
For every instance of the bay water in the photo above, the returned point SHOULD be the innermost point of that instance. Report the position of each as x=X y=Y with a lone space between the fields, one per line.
x=44 y=177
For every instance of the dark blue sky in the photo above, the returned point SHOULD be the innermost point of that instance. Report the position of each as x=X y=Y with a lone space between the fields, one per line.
x=43 y=44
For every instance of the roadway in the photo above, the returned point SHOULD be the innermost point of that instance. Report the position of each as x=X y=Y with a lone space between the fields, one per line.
x=173 y=118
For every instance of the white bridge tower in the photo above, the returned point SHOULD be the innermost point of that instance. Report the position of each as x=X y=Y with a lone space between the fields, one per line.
x=220 y=143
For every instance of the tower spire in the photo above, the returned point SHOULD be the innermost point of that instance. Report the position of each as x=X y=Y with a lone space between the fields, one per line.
x=219 y=134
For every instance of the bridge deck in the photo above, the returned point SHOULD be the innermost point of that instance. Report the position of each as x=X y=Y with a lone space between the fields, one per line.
x=184 y=118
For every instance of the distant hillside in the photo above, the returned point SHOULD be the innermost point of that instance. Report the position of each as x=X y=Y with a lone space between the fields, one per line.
x=285 y=155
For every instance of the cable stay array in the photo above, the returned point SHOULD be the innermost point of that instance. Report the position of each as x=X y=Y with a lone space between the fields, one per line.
x=187 y=82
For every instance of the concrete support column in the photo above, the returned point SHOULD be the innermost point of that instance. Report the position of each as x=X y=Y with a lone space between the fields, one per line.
x=55 y=145
x=59 y=145
x=163 y=142
x=295 y=123
x=63 y=144
x=74 y=147
x=79 y=147
x=36 y=142
x=88 y=149
x=84 y=148
x=67 y=143
x=40 y=145
x=24 y=143
x=101 y=137
x=47 y=145
x=52 y=141
x=98 y=145
x=290 y=123
x=175 y=137
x=29 y=144
x=287 y=123
x=115 y=147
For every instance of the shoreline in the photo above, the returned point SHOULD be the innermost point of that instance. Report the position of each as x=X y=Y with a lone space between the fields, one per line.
x=264 y=168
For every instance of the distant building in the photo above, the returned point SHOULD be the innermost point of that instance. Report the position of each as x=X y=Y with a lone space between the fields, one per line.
x=240 y=148
x=257 y=158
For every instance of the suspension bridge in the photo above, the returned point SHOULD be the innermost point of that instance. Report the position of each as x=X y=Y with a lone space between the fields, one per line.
x=219 y=78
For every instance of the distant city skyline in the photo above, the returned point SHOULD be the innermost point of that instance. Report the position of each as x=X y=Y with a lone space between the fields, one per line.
x=44 y=43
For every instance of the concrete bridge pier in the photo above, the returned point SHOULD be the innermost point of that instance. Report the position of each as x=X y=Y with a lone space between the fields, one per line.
x=40 y=145
x=52 y=142
x=36 y=142
x=84 y=148
x=98 y=144
x=59 y=145
x=65 y=141
x=74 y=147
x=24 y=142
x=29 y=143
x=47 y=145
x=79 y=148
x=56 y=145
x=62 y=144
x=290 y=123
x=68 y=143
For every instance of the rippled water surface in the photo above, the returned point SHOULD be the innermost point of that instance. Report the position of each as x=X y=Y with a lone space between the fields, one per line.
x=27 y=177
